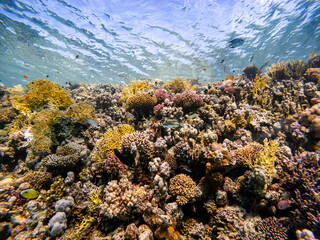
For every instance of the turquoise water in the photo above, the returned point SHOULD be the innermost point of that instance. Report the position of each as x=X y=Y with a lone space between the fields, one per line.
x=114 y=41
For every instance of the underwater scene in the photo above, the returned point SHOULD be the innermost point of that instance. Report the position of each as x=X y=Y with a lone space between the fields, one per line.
x=169 y=120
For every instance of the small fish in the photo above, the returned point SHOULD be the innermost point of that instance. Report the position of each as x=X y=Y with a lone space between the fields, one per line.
x=77 y=56
x=25 y=76
x=264 y=65
x=27 y=97
x=283 y=204
x=93 y=123
x=29 y=194
x=57 y=71
x=47 y=76
x=172 y=123
x=252 y=57
x=123 y=159
x=131 y=116
x=222 y=61
x=193 y=116
x=237 y=42
x=204 y=69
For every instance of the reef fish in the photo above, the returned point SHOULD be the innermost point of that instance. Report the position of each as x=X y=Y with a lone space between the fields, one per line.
x=283 y=204
x=29 y=194
x=25 y=76
x=171 y=123
x=237 y=42
x=193 y=116
x=93 y=123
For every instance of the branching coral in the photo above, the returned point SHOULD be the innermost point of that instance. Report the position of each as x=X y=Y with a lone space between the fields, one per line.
x=259 y=85
x=133 y=88
x=113 y=165
x=177 y=85
x=183 y=187
x=109 y=141
x=287 y=70
x=141 y=103
x=269 y=228
x=188 y=100
x=138 y=146
x=81 y=112
x=43 y=93
x=121 y=197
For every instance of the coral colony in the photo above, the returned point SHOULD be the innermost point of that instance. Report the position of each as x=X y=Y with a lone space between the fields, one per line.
x=236 y=159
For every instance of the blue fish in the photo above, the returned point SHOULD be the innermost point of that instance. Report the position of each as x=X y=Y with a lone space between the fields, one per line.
x=93 y=123
x=236 y=42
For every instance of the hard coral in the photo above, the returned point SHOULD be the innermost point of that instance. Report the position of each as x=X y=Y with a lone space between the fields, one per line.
x=114 y=165
x=43 y=93
x=183 y=187
x=138 y=146
x=178 y=86
x=141 y=103
x=109 y=141
x=188 y=100
x=269 y=228
x=133 y=88
x=312 y=75
x=81 y=112
x=121 y=197
x=161 y=95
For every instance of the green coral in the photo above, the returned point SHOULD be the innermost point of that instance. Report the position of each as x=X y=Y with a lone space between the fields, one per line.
x=81 y=112
x=109 y=141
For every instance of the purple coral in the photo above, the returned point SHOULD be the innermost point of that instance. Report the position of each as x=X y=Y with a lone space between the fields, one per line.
x=188 y=100
x=114 y=165
x=161 y=95
x=157 y=109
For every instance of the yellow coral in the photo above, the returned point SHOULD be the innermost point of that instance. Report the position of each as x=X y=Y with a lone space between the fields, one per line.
x=43 y=93
x=109 y=141
x=42 y=129
x=268 y=158
x=259 y=85
x=177 y=85
x=133 y=88
x=81 y=112
x=95 y=200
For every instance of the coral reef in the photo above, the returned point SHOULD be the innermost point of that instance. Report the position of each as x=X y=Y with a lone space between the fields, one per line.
x=236 y=159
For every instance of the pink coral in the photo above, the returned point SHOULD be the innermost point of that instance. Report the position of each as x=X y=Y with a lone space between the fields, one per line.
x=161 y=95
x=188 y=100
x=157 y=110
x=113 y=164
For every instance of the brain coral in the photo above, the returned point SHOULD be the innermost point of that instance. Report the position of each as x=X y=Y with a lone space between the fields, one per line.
x=120 y=197
x=188 y=100
x=183 y=187
x=141 y=103
x=137 y=144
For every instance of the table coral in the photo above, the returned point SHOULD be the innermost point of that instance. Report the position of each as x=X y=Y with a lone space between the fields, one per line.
x=183 y=187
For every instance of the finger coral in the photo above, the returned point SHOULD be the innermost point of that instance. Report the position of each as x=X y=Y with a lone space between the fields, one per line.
x=183 y=187
x=121 y=197
x=137 y=145
x=188 y=100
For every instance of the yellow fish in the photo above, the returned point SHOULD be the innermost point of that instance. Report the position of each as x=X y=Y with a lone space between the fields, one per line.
x=29 y=194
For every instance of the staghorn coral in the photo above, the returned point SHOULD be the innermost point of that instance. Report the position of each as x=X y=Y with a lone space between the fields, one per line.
x=81 y=112
x=137 y=145
x=314 y=60
x=183 y=187
x=109 y=141
x=121 y=197
x=248 y=155
x=259 y=85
x=188 y=100
x=268 y=229
x=38 y=179
x=141 y=103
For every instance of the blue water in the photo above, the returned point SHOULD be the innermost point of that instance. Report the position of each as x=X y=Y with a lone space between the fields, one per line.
x=100 y=41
